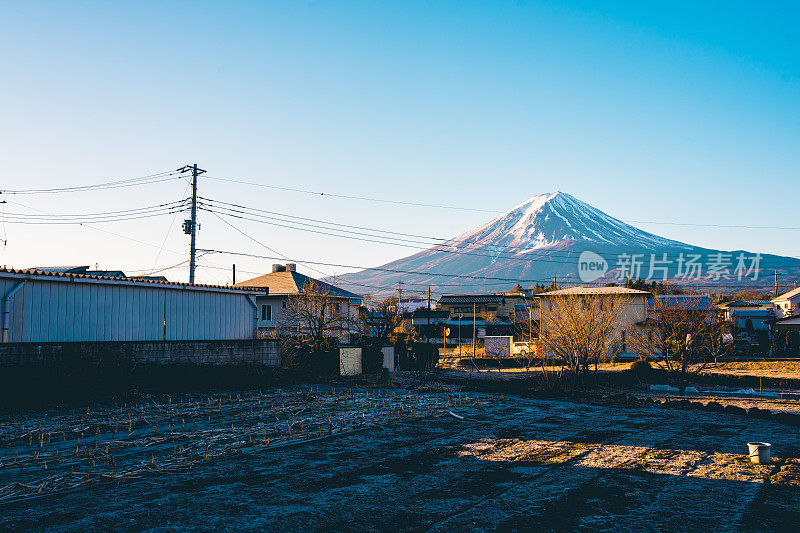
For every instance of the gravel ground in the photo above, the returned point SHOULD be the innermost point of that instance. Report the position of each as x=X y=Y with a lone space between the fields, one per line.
x=511 y=464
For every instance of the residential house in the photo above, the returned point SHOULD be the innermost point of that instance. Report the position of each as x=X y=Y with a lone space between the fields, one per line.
x=787 y=304
x=634 y=308
x=730 y=308
x=412 y=304
x=752 y=325
x=423 y=317
x=284 y=283
x=688 y=303
x=482 y=306
x=693 y=308
x=787 y=324
x=525 y=312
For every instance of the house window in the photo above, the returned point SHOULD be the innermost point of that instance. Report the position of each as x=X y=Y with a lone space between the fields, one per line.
x=266 y=312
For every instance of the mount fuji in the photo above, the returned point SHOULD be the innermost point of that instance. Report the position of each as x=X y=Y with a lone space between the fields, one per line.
x=557 y=236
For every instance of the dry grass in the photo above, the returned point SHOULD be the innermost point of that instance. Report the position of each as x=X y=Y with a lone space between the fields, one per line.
x=782 y=369
x=694 y=463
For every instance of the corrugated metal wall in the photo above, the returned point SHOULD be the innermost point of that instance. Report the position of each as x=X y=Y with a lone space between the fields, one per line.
x=73 y=309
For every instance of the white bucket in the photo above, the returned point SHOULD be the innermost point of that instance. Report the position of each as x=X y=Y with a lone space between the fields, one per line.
x=760 y=452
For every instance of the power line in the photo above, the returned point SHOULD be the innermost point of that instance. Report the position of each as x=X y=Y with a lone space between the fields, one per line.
x=463 y=208
x=99 y=214
x=351 y=197
x=261 y=243
x=556 y=257
x=130 y=182
x=448 y=275
x=245 y=208
x=169 y=229
x=15 y=218
x=439 y=245
x=99 y=229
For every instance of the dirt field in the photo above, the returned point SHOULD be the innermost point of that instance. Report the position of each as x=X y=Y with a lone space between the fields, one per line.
x=511 y=464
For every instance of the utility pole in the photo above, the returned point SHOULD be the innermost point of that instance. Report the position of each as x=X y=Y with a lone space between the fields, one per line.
x=459 y=334
x=190 y=225
x=776 y=282
x=234 y=274
x=429 y=308
x=399 y=295
x=530 y=326
x=473 y=331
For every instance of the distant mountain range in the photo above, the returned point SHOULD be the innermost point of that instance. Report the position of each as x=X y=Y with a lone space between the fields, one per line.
x=557 y=236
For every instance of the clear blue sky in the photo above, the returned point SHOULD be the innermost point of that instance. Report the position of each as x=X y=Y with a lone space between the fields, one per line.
x=685 y=112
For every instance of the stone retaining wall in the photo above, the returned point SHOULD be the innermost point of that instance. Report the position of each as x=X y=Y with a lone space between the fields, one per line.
x=261 y=351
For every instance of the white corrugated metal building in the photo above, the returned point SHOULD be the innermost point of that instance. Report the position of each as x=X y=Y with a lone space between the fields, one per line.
x=42 y=306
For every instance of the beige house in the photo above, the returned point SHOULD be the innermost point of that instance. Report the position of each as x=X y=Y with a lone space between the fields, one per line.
x=482 y=306
x=283 y=283
x=632 y=304
x=787 y=304
x=730 y=309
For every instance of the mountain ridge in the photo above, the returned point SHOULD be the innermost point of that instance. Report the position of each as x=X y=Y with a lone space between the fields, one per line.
x=543 y=238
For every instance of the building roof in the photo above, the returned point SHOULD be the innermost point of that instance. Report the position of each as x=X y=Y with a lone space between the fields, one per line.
x=787 y=295
x=432 y=313
x=27 y=273
x=455 y=299
x=292 y=282
x=468 y=323
x=573 y=291
x=678 y=301
x=75 y=269
x=746 y=303
x=754 y=313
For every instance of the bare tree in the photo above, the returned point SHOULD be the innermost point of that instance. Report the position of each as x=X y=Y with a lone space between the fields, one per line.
x=683 y=335
x=383 y=320
x=315 y=320
x=583 y=329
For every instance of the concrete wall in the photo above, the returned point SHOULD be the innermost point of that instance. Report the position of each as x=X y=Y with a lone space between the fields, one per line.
x=46 y=308
x=350 y=361
x=266 y=352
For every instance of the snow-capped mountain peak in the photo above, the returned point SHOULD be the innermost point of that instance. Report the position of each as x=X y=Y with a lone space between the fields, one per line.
x=550 y=219
x=539 y=240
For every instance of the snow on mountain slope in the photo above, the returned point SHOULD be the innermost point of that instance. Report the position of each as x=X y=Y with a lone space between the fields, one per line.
x=550 y=219
x=538 y=240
